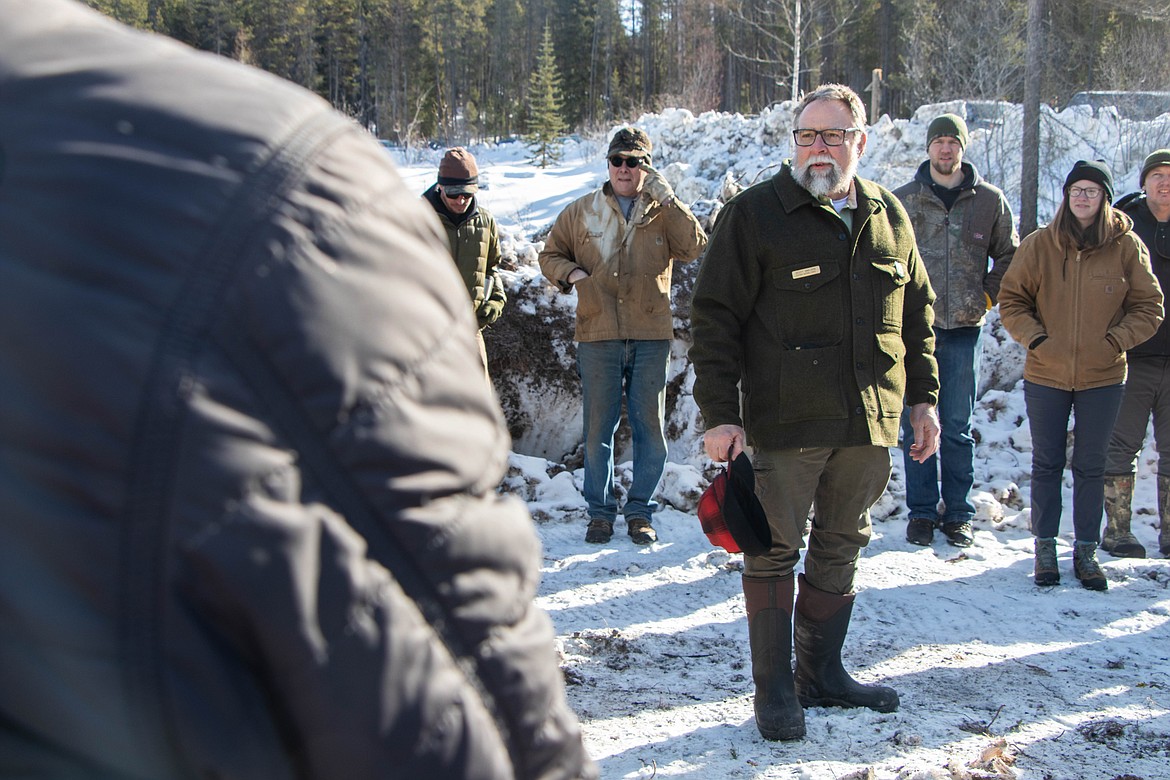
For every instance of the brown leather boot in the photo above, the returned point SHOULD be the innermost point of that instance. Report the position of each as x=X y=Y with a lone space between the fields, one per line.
x=769 y=608
x=820 y=624
x=1118 y=540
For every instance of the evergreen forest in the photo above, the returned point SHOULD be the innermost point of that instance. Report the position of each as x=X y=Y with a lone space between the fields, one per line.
x=457 y=71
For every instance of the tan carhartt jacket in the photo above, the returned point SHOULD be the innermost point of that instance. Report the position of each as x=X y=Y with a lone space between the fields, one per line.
x=1092 y=305
x=627 y=294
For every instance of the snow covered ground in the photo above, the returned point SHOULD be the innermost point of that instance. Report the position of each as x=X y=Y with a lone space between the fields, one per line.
x=998 y=679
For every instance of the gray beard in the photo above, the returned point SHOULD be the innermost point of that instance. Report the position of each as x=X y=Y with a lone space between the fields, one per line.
x=821 y=184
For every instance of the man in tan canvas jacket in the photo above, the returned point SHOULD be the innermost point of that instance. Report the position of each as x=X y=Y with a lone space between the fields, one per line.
x=617 y=246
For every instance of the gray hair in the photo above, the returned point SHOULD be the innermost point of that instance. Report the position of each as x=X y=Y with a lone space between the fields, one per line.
x=834 y=92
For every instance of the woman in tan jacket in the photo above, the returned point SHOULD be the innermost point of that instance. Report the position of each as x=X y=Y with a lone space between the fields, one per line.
x=1078 y=294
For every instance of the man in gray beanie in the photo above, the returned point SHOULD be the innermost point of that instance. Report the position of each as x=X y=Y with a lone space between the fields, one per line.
x=960 y=221
x=1147 y=387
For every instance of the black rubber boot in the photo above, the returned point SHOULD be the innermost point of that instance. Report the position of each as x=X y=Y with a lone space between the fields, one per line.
x=769 y=608
x=821 y=623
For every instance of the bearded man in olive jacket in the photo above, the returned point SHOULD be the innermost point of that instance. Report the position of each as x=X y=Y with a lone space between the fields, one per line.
x=617 y=246
x=813 y=302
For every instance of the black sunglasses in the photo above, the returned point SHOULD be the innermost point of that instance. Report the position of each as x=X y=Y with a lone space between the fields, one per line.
x=630 y=162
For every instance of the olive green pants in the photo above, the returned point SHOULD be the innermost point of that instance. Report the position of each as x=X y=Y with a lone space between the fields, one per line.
x=840 y=485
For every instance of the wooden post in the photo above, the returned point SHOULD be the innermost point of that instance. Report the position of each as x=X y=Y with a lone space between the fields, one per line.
x=1030 y=151
x=875 y=96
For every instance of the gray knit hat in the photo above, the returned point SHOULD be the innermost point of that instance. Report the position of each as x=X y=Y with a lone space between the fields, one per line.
x=1095 y=171
x=1155 y=158
x=948 y=125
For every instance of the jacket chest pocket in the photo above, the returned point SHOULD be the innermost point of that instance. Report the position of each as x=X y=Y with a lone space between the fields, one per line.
x=1109 y=281
x=890 y=276
x=807 y=304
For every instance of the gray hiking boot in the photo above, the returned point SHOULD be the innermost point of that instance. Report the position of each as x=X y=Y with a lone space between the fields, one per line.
x=1118 y=540
x=1087 y=569
x=1046 y=572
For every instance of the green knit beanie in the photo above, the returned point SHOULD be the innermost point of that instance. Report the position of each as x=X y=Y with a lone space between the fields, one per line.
x=1156 y=158
x=948 y=125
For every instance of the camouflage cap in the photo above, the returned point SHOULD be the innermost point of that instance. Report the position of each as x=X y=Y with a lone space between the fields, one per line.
x=629 y=141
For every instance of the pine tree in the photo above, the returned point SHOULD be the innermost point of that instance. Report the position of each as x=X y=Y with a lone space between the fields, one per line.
x=544 y=106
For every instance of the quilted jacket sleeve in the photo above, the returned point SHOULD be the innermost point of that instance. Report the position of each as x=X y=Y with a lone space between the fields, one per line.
x=388 y=595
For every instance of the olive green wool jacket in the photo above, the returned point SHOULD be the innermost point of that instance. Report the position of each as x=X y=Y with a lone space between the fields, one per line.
x=827 y=332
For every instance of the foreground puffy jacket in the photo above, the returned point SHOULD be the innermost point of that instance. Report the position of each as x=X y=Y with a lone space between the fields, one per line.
x=247 y=455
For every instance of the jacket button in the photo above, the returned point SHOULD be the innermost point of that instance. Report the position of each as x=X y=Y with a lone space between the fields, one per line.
x=842 y=236
x=808 y=285
x=860 y=364
x=859 y=410
x=857 y=277
x=860 y=320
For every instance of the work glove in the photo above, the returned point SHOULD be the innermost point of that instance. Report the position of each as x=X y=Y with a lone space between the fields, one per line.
x=488 y=312
x=656 y=186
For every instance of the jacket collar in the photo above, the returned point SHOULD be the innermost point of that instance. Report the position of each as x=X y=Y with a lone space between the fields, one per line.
x=1122 y=224
x=432 y=196
x=971 y=176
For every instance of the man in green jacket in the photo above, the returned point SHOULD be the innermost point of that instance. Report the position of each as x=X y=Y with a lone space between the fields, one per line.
x=616 y=247
x=813 y=303
x=471 y=234
x=960 y=222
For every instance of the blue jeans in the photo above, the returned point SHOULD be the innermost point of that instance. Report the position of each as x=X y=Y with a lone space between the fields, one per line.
x=958 y=351
x=607 y=370
x=1048 y=411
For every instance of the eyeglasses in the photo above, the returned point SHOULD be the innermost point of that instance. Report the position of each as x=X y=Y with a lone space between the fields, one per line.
x=831 y=137
x=629 y=162
x=1092 y=193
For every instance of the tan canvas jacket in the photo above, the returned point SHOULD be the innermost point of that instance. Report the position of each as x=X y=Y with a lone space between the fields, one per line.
x=1092 y=305
x=627 y=294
